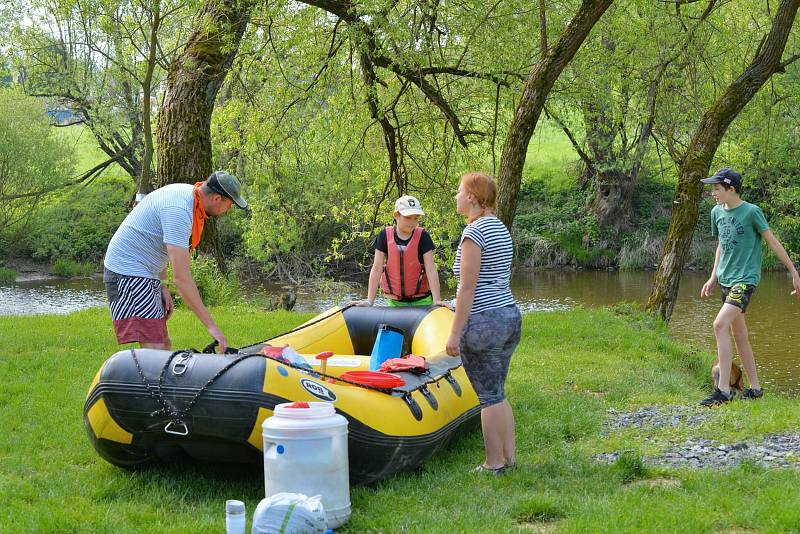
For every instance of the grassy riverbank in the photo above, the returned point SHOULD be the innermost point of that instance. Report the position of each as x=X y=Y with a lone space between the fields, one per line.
x=570 y=368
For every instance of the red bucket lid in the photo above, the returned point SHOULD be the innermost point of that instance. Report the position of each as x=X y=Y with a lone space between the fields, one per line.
x=375 y=379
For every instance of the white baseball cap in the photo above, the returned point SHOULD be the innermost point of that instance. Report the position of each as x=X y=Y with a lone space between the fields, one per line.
x=408 y=205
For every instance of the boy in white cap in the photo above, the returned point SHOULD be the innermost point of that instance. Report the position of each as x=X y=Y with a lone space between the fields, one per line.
x=403 y=264
x=740 y=227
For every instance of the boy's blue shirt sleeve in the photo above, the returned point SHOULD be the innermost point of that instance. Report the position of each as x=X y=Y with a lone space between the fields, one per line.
x=759 y=221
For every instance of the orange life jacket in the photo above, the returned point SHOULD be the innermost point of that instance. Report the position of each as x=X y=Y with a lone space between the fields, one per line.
x=403 y=275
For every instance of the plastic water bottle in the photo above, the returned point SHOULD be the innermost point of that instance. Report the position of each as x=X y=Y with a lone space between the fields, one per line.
x=235 y=517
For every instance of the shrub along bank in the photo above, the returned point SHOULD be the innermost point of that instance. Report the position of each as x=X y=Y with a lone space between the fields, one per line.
x=570 y=369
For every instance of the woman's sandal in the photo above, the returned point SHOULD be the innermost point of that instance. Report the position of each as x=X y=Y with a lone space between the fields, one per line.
x=491 y=470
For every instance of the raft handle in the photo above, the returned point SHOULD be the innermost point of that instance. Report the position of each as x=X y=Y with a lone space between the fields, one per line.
x=429 y=396
x=416 y=411
x=453 y=382
x=181 y=364
x=177 y=432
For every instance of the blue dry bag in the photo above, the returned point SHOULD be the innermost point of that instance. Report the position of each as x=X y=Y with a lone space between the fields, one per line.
x=388 y=344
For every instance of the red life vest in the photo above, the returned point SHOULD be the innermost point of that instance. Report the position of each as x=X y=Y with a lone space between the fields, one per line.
x=403 y=276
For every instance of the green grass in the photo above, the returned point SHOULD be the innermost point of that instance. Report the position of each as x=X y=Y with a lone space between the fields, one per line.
x=80 y=139
x=568 y=370
x=551 y=157
x=7 y=275
x=71 y=268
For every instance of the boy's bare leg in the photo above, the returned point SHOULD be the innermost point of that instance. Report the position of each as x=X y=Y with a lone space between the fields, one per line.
x=722 y=324
x=745 y=350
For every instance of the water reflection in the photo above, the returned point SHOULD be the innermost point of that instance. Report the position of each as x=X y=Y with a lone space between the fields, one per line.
x=772 y=318
x=50 y=296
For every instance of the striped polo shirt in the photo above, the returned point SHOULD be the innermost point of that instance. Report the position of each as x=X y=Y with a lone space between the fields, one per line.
x=497 y=251
x=139 y=246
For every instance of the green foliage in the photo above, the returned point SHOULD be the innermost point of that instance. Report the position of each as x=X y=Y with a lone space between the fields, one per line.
x=554 y=228
x=215 y=288
x=80 y=223
x=33 y=159
x=70 y=268
x=7 y=275
x=301 y=126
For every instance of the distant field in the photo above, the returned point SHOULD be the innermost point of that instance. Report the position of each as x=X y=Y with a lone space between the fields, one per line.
x=551 y=157
x=81 y=140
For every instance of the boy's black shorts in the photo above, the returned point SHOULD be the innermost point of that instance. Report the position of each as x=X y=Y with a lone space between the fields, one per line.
x=737 y=294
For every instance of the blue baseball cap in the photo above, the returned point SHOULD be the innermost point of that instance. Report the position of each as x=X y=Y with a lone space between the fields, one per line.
x=725 y=176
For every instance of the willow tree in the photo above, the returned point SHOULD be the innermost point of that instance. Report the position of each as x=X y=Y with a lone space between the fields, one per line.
x=607 y=103
x=531 y=103
x=700 y=153
x=102 y=60
x=183 y=131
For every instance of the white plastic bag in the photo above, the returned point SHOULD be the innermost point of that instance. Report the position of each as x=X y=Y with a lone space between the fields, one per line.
x=290 y=513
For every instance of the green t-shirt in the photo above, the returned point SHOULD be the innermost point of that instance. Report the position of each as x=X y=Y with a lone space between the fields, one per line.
x=739 y=231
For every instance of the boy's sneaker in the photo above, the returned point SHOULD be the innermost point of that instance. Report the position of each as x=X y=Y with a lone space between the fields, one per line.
x=749 y=393
x=716 y=398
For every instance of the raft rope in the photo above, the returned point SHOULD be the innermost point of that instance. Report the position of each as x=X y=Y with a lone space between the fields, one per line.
x=176 y=416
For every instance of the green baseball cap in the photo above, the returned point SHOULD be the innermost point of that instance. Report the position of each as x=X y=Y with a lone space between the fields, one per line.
x=227 y=185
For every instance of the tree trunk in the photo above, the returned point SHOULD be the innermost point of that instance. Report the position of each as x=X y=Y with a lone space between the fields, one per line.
x=613 y=201
x=700 y=155
x=612 y=204
x=534 y=94
x=146 y=180
x=183 y=131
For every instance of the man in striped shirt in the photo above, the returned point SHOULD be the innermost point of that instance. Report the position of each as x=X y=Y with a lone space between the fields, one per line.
x=161 y=230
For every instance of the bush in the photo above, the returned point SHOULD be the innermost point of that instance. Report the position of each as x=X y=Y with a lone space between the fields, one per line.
x=552 y=226
x=34 y=159
x=7 y=275
x=79 y=224
x=215 y=288
x=71 y=268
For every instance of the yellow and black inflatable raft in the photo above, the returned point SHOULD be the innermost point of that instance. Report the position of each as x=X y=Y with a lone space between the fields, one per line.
x=147 y=405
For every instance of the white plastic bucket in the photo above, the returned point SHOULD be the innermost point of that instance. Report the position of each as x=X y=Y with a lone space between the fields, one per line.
x=305 y=451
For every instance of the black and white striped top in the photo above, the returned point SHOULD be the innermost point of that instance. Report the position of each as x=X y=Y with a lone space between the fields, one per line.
x=497 y=251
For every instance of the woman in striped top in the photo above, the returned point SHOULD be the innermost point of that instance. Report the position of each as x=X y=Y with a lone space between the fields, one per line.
x=488 y=325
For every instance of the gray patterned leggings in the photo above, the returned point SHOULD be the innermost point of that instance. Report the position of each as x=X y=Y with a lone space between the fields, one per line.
x=486 y=346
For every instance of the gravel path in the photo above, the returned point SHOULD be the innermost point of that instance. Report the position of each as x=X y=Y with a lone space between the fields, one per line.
x=774 y=450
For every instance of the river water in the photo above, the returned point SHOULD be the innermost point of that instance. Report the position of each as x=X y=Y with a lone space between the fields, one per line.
x=773 y=316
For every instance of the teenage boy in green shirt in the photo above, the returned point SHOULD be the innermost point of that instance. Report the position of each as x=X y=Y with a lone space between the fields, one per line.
x=739 y=226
